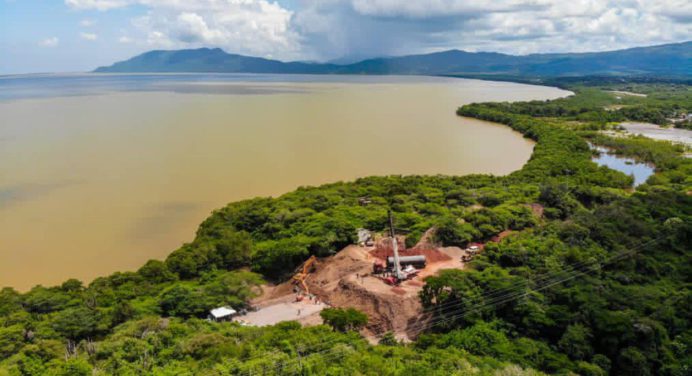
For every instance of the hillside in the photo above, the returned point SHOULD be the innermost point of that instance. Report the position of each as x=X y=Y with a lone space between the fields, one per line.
x=665 y=60
x=210 y=60
x=595 y=283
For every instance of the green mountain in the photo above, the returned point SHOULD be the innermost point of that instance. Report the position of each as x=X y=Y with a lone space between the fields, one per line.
x=663 y=60
x=211 y=60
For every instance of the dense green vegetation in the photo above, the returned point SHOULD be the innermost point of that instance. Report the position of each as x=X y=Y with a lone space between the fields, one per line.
x=344 y=319
x=599 y=106
x=597 y=285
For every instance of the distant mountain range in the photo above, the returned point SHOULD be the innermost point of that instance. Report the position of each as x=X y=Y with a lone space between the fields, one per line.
x=665 y=60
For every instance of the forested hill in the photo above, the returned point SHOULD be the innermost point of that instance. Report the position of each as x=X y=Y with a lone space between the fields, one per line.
x=597 y=283
x=210 y=60
x=673 y=60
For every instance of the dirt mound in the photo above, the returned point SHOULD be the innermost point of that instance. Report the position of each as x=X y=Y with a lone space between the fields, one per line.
x=382 y=251
x=351 y=261
x=398 y=291
x=387 y=310
x=432 y=255
x=346 y=280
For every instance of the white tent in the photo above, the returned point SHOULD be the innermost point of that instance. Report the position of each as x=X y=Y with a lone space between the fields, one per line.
x=222 y=313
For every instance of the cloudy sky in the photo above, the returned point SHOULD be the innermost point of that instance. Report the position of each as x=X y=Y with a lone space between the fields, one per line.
x=79 y=35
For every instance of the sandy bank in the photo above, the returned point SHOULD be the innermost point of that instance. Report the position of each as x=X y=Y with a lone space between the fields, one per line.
x=656 y=132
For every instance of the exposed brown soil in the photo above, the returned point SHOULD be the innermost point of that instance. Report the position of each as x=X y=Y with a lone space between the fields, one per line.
x=271 y=292
x=431 y=253
x=498 y=238
x=346 y=280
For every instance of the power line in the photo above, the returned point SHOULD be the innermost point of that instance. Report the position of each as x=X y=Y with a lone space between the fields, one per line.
x=525 y=283
x=502 y=296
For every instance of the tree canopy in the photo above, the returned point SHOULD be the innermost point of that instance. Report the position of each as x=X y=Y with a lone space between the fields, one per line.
x=596 y=282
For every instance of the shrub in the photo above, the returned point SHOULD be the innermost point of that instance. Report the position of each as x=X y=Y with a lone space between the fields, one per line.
x=344 y=319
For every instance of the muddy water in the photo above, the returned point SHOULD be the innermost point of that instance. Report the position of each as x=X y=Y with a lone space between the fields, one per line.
x=108 y=177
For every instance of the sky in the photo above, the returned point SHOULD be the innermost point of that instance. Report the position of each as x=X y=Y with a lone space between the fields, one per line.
x=80 y=35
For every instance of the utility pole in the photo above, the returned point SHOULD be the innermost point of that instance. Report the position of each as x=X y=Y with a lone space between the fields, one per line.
x=395 y=247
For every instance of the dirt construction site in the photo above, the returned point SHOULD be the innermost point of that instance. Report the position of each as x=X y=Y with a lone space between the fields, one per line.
x=350 y=279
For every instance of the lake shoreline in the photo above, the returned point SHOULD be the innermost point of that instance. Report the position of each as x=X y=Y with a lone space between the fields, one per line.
x=142 y=226
x=656 y=132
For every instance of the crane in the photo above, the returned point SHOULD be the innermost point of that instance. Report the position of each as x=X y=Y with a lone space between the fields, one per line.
x=398 y=274
x=395 y=247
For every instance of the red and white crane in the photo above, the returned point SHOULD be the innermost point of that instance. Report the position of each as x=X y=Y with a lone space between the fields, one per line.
x=393 y=264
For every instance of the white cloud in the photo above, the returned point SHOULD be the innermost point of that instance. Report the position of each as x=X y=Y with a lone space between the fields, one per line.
x=158 y=39
x=255 y=27
x=86 y=23
x=323 y=29
x=578 y=25
x=124 y=40
x=49 y=42
x=97 y=4
x=391 y=27
x=192 y=28
x=88 y=36
x=437 y=8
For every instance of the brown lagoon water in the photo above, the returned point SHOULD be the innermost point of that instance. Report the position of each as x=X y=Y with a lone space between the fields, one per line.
x=101 y=173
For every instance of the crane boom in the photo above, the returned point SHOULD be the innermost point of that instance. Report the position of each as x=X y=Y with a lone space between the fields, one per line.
x=395 y=247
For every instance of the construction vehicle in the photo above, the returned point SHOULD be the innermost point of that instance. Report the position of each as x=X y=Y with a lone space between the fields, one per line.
x=302 y=274
x=472 y=250
x=392 y=273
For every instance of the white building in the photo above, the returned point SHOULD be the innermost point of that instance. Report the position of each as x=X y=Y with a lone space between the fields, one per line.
x=222 y=314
